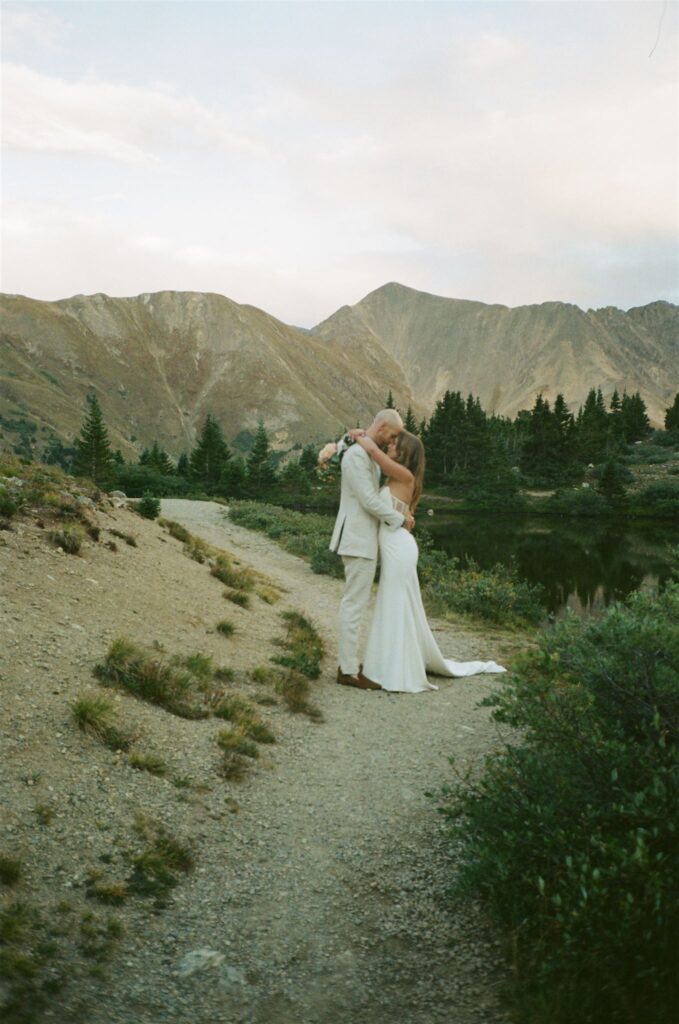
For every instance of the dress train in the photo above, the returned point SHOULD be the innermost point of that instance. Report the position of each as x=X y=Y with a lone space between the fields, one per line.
x=401 y=646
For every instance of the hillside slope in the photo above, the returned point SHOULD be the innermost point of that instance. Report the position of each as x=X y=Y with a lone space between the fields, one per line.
x=506 y=356
x=159 y=363
x=319 y=889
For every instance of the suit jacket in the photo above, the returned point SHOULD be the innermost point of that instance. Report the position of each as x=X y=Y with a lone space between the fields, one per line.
x=362 y=508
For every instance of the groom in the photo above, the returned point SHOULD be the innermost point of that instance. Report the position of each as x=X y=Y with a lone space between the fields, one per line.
x=361 y=511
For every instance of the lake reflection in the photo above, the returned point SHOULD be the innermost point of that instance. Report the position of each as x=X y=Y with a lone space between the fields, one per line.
x=581 y=564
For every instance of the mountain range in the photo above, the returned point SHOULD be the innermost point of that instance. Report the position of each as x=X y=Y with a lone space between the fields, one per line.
x=160 y=362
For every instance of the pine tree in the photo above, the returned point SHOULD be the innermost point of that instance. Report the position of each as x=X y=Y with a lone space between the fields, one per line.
x=158 y=459
x=232 y=478
x=308 y=460
x=390 y=401
x=410 y=423
x=183 y=468
x=672 y=415
x=210 y=455
x=591 y=428
x=260 y=474
x=611 y=483
x=564 y=455
x=635 y=423
x=93 y=457
x=541 y=447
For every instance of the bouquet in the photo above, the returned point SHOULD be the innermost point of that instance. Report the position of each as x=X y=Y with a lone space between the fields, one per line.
x=330 y=455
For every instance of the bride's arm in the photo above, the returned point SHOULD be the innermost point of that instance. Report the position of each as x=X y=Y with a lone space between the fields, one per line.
x=394 y=470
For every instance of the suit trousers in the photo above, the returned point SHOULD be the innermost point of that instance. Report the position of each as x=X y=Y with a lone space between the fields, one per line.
x=359 y=574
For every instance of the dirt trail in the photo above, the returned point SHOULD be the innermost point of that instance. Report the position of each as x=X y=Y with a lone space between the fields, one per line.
x=327 y=903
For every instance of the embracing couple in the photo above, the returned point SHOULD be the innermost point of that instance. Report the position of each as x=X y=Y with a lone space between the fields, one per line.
x=401 y=648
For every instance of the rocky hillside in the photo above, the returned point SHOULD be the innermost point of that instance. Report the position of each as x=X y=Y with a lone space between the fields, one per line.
x=160 y=362
x=143 y=879
x=506 y=356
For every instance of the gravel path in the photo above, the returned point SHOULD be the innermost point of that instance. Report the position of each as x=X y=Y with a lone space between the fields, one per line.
x=319 y=891
x=328 y=903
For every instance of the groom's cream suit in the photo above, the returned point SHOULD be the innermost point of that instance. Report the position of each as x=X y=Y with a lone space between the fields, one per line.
x=361 y=511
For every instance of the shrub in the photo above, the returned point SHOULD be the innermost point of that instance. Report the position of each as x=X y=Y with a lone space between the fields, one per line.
x=660 y=498
x=496 y=595
x=8 y=507
x=10 y=870
x=69 y=538
x=148 y=506
x=305 y=534
x=583 y=501
x=238 y=597
x=570 y=836
x=226 y=627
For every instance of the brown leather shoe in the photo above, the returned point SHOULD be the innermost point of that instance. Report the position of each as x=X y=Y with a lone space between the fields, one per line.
x=359 y=681
x=367 y=684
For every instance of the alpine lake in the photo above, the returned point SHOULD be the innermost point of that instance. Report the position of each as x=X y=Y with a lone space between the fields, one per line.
x=581 y=564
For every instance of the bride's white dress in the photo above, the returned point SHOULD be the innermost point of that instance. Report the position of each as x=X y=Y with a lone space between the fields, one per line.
x=401 y=647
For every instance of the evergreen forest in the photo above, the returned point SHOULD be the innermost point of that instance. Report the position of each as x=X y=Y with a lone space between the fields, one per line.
x=583 y=460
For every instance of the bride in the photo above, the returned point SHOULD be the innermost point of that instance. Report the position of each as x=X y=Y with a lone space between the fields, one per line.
x=401 y=648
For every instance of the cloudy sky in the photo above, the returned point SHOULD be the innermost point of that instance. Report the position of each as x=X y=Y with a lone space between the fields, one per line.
x=298 y=155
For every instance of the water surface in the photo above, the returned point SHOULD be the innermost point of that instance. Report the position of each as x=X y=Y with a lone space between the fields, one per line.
x=581 y=564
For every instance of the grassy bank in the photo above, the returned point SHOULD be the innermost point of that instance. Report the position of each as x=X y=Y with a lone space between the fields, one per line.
x=495 y=595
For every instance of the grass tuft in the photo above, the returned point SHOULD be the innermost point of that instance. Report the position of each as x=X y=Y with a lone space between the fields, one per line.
x=233 y=766
x=69 y=538
x=236 y=741
x=243 y=714
x=150 y=763
x=160 y=864
x=127 y=537
x=230 y=575
x=226 y=627
x=150 y=678
x=10 y=870
x=238 y=597
x=303 y=645
x=93 y=713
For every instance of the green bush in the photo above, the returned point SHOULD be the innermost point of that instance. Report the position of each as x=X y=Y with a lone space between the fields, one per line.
x=495 y=595
x=660 y=498
x=571 y=836
x=583 y=501
x=305 y=534
x=8 y=507
x=149 y=507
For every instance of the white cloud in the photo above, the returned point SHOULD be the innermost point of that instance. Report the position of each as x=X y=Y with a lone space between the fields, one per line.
x=124 y=123
x=36 y=28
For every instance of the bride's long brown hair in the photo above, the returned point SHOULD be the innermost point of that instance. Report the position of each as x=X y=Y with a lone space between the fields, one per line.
x=410 y=453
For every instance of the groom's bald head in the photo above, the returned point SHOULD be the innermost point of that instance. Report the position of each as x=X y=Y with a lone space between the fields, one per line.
x=391 y=417
x=386 y=426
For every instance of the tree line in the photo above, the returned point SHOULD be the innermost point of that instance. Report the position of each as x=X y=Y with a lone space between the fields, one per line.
x=468 y=451
x=546 y=446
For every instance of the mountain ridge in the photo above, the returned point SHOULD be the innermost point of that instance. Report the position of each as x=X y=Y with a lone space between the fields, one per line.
x=160 y=361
